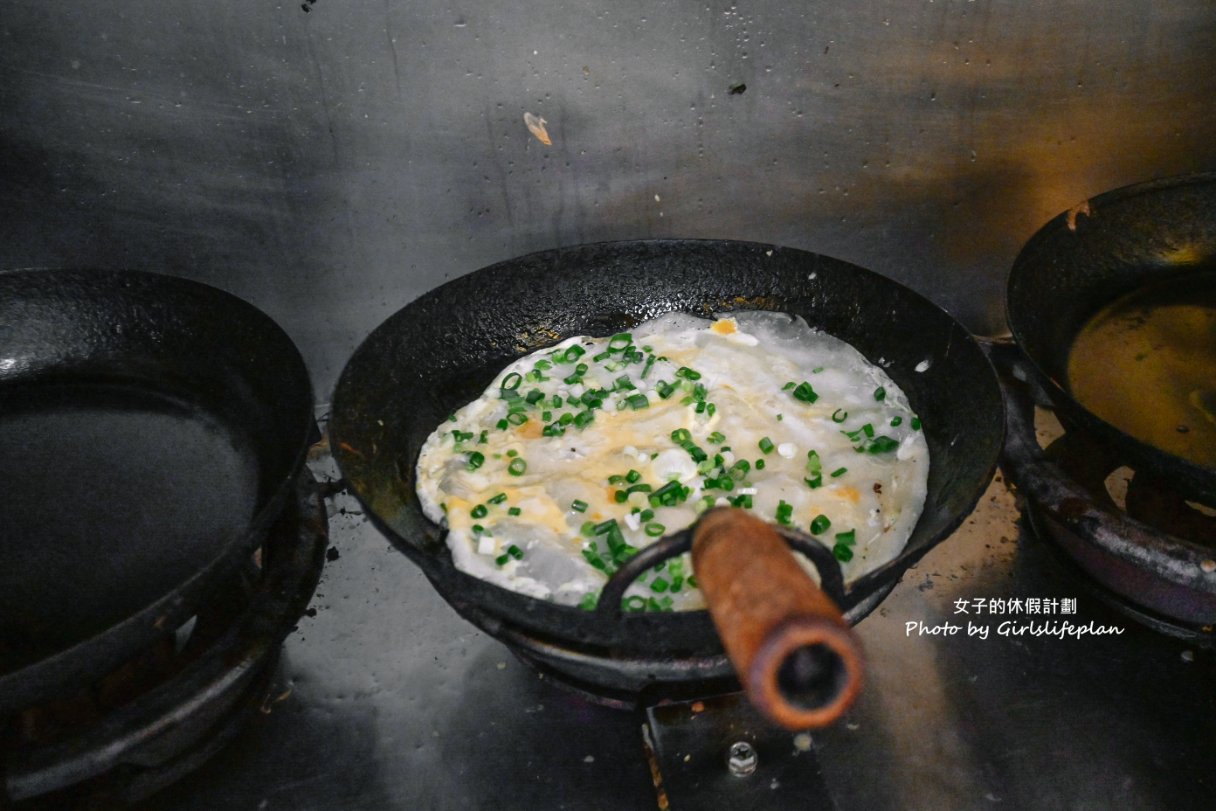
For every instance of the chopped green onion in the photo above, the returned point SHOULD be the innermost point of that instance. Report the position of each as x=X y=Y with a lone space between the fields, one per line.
x=623 y=383
x=588 y=529
x=839 y=415
x=638 y=401
x=578 y=505
x=880 y=394
x=784 y=512
x=665 y=389
x=688 y=374
x=659 y=585
x=511 y=382
x=813 y=465
x=503 y=425
x=632 y=476
x=479 y=511
x=517 y=418
x=589 y=601
x=512 y=452
x=716 y=438
x=514 y=511
x=476 y=460
x=501 y=560
x=646 y=515
x=582 y=419
x=760 y=464
x=896 y=421
x=815 y=482
x=517 y=467
x=573 y=353
x=515 y=552
x=534 y=396
x=766 y=445
x=789 y=386
x=620 y=496
x=846 y=537
x=820 y=524
x=498 y=499
x=915 y=423
x=838 y=472
x=805 y=393
x=655 y=530
x=620 y=341
x=842 y=553
x=605 y=526
x=646 y=368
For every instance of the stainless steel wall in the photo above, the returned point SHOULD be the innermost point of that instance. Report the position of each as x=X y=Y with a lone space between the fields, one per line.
x=330 y=161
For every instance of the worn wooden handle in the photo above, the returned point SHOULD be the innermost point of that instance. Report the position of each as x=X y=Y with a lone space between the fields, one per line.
x=795 y=655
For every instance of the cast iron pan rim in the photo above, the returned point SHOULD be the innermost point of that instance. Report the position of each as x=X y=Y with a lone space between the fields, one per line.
x=1057 y=392
x=77 y=665
x=460 y=589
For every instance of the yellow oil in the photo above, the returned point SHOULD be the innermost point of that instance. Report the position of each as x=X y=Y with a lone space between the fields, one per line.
x=1147 y=365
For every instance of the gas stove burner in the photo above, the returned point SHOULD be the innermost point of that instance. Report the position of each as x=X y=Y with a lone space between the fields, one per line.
x=166 y=712
x=1145 y=550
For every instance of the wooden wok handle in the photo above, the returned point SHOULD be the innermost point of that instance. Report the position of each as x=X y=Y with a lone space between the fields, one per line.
x=795 y=655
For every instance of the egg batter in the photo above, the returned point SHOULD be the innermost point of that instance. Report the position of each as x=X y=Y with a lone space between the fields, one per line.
x=579 y=454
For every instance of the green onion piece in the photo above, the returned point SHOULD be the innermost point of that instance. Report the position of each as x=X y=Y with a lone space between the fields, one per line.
x=760 y=464
x=880 y=394
x=839 y=415
x=881 y=444
x=452 y=417
x=589 y=601
x=620 y=341
x=573 y=379
x=805 y=393
x=620 y=496
x=588 y=529
x=846 y=537
x=766 y=445
x=594 y=559
x=820 y=524
x=680 y=436
x=616 y=478
x=557 y=401
x=646 y=368
x=896 y=421
x=501 y=560
x=665 y=389
x=512 y=452
x=511 y=382
x=566 y=419
x=843 y=553
x=543 y=364
x=623 y=383
x=578 y=505
x=815 y=482
x=789 y=386
x=655 y=530
x=634 y=603
x=692 y=581
x=813 y=465
x=517 y=467
x=838 y=472
x=605 y=526
x=716 y=438
x=868 y=430
x=476 y=460
x=915 y=423
x=638 y=401
x=515 y=552
x=646 y=515
x=546 y=415
x=478 y=529
x=534 y=396
x=502 y=425
x=744 y=501
x=514 y=511
x=632 y=476
x=784 y=511
x=573 y=353
x=602 y=356
x=479 y=511
x=710 y=408
x=581 y=369
x=688 y=374
x=498 y=499
x=582 y=419
x=517 y=418
x=638 y=488
x=659 y=585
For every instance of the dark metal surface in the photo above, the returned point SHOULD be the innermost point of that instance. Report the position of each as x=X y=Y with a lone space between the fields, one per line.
x=153 y=429
x=164 y=734
x=440 y=352
x=1089 y=256
x=1172 y=577
x=414 y=708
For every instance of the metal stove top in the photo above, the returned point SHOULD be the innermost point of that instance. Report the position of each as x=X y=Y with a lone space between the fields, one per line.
x=386 y=699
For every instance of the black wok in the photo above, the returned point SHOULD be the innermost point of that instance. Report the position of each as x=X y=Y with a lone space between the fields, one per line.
x=151 y=430
x=441 y=350
x=1087 y=257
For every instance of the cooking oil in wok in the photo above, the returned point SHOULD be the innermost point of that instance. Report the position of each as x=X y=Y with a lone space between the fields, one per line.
x=1147 y=365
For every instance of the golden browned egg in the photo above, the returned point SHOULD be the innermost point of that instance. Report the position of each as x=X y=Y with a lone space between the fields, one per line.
x=578 y=455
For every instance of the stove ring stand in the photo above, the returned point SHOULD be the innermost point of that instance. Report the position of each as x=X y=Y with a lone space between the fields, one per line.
x=171 y=730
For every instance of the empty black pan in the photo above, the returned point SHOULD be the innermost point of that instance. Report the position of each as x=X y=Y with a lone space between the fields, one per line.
x=440 y=352
x=1114 y=244
x=150 y=431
